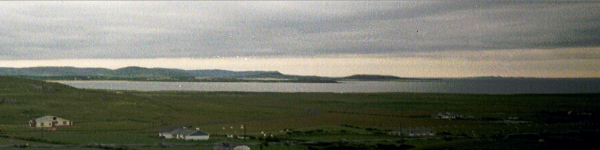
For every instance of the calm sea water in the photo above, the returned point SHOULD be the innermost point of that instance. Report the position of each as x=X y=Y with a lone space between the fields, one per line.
x=474 y=86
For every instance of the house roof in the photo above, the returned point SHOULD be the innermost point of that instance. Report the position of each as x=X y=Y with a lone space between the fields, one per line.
x=183 y=131
x=199 y=133
x=188 y=132
x=48 y=117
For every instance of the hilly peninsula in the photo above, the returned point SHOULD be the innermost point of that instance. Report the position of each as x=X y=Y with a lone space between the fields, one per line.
x=168 y=74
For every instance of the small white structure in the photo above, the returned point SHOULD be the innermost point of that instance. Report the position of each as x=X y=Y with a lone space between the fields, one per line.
x=243 y=147
x=49 y=121
x=229 y=146
x=452 y=116
x=419 y=131
x=447 y=115
x=185 y=134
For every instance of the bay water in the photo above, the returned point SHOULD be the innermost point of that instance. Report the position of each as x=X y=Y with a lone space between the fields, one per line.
x=467 y=86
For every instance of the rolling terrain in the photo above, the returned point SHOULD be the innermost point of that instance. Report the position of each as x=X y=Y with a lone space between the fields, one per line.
x=356 y=120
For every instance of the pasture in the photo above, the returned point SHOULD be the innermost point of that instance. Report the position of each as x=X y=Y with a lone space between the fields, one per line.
x=360 y=120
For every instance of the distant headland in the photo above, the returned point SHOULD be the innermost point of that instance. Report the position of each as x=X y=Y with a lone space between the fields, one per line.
x=134 y=73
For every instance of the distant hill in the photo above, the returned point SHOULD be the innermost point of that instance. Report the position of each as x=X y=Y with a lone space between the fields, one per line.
x=150 y=72
x=125 y=72
x=134 y=73
x=226 y=73
x=156 y=74
x=372 y=77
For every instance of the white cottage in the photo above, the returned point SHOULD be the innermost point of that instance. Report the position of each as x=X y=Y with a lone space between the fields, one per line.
x=185 y=134
x=49 y=121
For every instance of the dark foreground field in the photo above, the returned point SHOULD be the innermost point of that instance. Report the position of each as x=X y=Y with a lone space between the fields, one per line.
x=132 y=120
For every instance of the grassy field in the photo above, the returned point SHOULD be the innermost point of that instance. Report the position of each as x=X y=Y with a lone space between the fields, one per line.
x=134 y=117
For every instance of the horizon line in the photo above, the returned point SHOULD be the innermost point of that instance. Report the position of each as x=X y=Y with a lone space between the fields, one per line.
x=488 y=76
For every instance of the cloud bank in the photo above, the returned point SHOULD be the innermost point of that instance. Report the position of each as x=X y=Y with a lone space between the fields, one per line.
x=196 y=29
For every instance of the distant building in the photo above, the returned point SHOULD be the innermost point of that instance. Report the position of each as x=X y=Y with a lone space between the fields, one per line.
x=49 y=121
x=185 y=134
x=229 y=146
x=418 y=131
x=446 y=115
x=451 y=116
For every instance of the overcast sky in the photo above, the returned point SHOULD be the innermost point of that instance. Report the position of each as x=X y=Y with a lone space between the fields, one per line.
x=329 y=38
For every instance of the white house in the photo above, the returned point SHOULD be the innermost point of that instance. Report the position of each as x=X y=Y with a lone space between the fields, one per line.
x=451 y=116
x=185 y=134
x=49 y=121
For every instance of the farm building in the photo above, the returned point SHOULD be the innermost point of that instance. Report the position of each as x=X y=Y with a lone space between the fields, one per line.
x=447 y=115
x=185 y=134
x=49 y=121
x=451 y=116
x=418 y=131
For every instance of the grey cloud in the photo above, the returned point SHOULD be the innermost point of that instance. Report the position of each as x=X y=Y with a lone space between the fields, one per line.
x=51 y=30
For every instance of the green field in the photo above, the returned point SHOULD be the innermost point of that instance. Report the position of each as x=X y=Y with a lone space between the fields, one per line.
x=333 y=121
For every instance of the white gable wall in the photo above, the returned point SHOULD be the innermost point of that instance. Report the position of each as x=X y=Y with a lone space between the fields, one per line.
x=166 y=135
x=204 y=137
